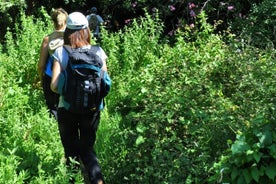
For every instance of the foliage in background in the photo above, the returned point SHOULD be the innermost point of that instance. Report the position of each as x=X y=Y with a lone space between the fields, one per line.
x=23 y=47
x=157 y=95
x=5 y=5
x=174 y=14
x=258 y=28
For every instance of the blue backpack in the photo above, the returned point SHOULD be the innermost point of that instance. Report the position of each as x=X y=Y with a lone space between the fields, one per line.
x=49 y=65
x=83 y=84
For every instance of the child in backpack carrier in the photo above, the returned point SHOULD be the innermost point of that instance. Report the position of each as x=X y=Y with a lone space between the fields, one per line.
x=48 y=46
x=80 y=68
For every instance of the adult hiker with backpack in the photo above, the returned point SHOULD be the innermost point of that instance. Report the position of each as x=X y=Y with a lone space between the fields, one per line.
x=95 y=21
x=80 y=77
x=48 y=46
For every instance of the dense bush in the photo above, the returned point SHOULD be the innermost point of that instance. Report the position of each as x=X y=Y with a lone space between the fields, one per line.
x=182 y=106
x=251 y=158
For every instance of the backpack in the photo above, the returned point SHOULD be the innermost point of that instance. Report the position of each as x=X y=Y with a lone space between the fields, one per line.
x=93 y=22
x=83 y=84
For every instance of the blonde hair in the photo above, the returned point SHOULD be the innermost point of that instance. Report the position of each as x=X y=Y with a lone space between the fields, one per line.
x=59 y=17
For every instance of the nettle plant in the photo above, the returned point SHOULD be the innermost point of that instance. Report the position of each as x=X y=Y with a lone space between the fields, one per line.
x=183 y=104
x=251 y=158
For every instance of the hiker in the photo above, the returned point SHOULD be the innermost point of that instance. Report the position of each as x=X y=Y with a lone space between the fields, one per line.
x=77 y=130
x=95 y=21
x=48 y=45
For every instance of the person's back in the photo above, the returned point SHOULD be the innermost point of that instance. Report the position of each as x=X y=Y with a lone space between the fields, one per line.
x=94 y=21
x=48 y=46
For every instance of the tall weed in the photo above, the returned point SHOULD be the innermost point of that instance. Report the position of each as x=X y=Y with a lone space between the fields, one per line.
x=23 y=46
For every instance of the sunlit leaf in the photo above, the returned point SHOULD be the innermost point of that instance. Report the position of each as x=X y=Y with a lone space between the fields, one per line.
x=239 y=147
x=139 y=140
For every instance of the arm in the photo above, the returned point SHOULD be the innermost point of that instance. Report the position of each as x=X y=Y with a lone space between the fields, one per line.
x=55 y=75
x=103 y=56
x=100 y=19
x=43 y=57
x=104 y=67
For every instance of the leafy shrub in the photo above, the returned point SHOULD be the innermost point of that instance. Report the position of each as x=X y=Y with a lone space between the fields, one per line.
x=170 y=101
x=250 y=159
x=183 y=105
x=23 y=47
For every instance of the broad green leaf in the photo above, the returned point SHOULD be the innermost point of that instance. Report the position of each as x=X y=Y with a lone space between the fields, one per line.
x=272 y=150
x=247 y=175
x=144 y=90
x=257 y=156
x=249 y=152
x=140 y=128
x=266 y=138
x=241 y=180
x=270 y=170
x=234 y=173
x=239 y=147
x=255 y=174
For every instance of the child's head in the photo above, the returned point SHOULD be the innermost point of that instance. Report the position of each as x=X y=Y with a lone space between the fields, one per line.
x=59 y=17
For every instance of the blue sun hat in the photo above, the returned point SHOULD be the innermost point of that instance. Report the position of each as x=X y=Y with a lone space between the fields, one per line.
x=76 y=21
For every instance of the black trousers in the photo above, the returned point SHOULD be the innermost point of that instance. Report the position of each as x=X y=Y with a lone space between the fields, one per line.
x=51 y=97
x=78 y=136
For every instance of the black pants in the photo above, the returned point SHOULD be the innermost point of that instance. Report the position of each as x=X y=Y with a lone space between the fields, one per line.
x=51 y=97
x=78 y=136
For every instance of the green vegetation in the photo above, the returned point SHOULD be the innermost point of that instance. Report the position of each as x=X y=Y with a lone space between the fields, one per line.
x=200 y=110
